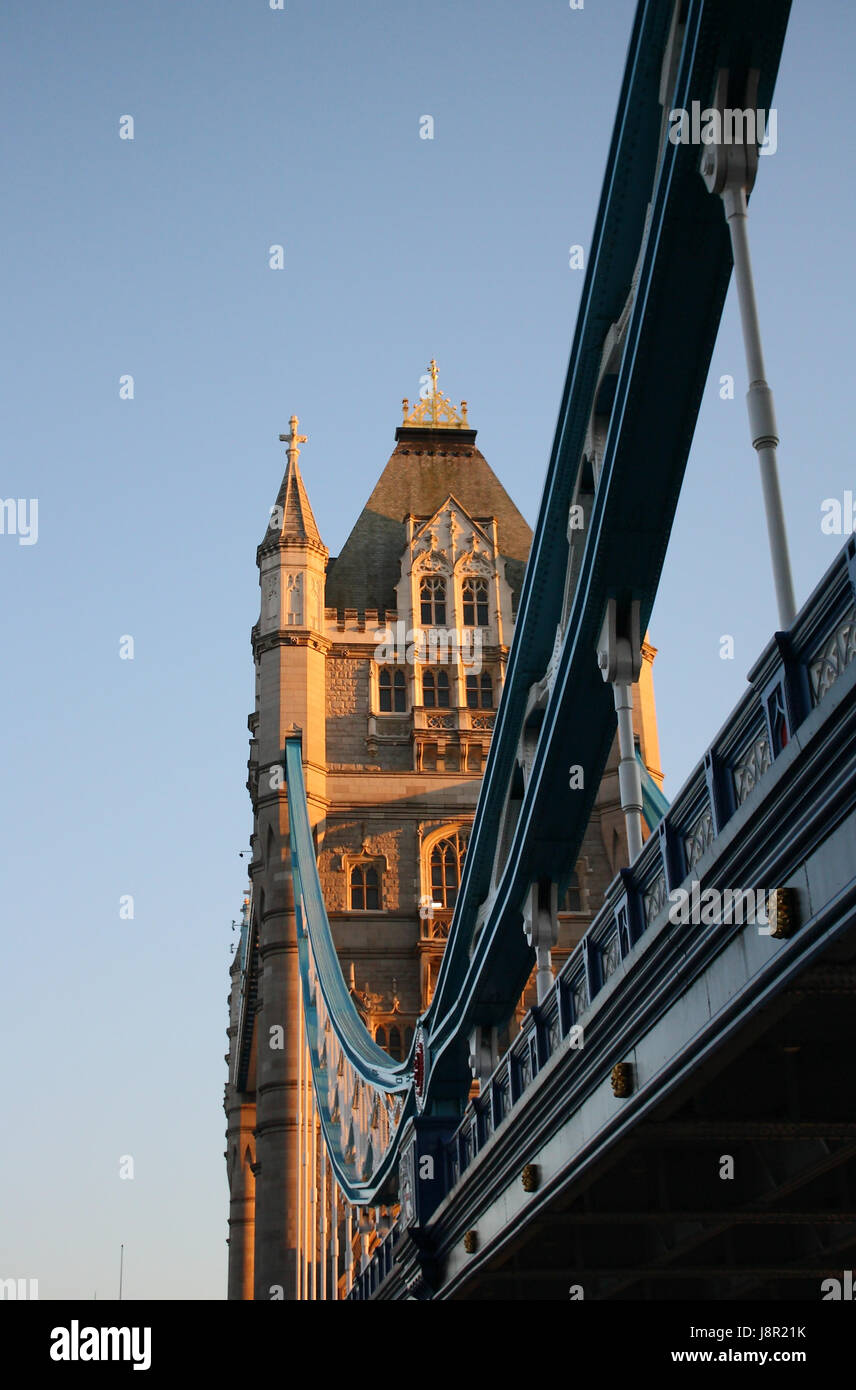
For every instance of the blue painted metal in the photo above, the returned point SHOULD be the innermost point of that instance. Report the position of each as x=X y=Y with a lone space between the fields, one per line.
x=374 y=1064
x=654 y=803
x=319 y=969
x=796 y=826
x=662 y=238
x=682 y=278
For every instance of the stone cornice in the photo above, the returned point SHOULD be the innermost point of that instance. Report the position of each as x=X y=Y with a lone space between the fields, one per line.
x=289 y=637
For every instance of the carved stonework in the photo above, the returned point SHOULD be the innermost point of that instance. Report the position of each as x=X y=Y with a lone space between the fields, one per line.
x=579 y=995
x=482 y=721
x=315 y=611
x=407 y=1185
x=698 y=838
x=750 y=766
x=293 y=616
x=655 y=898
x=610 y=957
x=837 y=652
x=270 y=602
x=475 y=559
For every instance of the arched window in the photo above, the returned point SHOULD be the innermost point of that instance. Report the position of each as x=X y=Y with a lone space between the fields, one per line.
x=432 y=601
x=394 y=1048
x=474 y=594
x=447 y=862
x=408 y=1038
x=365 y=888
x=380 y=1037
x=435 y=689
x=480 y=691
x=392 y=691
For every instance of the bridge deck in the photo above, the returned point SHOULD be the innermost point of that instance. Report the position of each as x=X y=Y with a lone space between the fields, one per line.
x=736 y=1040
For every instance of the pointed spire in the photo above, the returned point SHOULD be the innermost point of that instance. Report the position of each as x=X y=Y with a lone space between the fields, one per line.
x=292 y=518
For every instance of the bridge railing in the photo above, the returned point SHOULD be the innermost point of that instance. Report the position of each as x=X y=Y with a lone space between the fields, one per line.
x=794 y=673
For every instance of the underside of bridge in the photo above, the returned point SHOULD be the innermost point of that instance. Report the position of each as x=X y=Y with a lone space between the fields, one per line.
x=741 y=1186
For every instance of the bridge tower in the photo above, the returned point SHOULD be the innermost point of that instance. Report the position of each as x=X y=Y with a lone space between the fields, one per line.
x=390 y=659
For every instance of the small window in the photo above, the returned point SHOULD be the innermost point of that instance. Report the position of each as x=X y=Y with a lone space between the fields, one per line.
x=380 y=1037
x=394 y=1048
x=480 y=691
x=474 y=594
x=432 y=602
x=571 y=900
x=435 y=689
x=365 y=888
x=392 y=691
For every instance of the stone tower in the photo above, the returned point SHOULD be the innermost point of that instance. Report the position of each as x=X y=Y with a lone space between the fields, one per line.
x=390 y=659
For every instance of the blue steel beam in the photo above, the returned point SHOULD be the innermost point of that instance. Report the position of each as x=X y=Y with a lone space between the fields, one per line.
x=683 y=278
x=655 y=215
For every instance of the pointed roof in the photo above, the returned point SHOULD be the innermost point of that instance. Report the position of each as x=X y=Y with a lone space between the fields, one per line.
x=298 y=520
x=292 y=519
x=426 y=466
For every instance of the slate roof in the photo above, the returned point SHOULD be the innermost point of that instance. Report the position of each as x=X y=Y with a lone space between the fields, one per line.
x=424 y=468
x=298 y=521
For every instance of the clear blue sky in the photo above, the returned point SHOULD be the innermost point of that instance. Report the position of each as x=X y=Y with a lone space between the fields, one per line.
x=300 y=127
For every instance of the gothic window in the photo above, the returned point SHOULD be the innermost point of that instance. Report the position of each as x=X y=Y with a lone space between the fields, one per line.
x=435 y=689
x=394 y=1048
x=475 y=602
x=408 y=1039
x=432 y=599
x=380 y=1037
x=447 y=862
x=480 y=691
x=294 y=599
x=271 y=593
x=365 y=888
x=392 y=691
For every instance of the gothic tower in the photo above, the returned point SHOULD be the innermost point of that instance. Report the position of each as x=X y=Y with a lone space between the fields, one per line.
x=390 y=659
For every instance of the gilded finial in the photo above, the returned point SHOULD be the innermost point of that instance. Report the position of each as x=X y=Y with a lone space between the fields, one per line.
x=293 y=440
x=435 y=411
